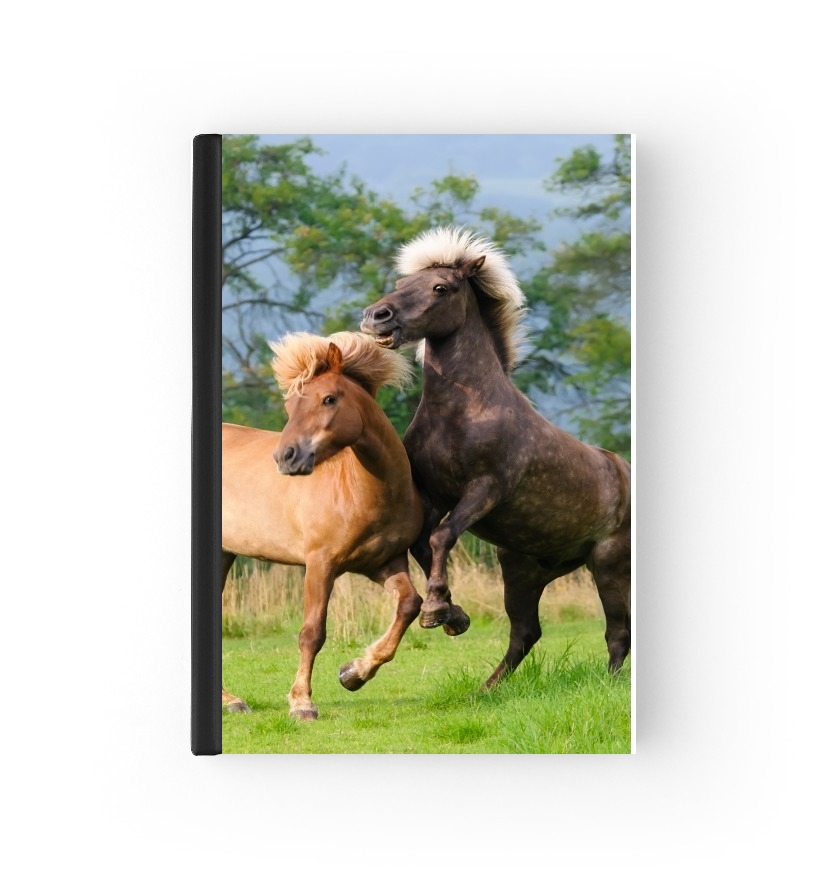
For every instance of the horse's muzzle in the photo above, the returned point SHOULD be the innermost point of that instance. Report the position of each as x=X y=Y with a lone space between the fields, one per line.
x=379 y=320
x=294 y=460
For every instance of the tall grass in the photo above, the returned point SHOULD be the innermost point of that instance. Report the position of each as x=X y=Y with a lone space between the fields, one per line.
x=260 y=598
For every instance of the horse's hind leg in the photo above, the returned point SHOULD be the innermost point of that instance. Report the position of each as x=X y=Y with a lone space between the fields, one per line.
x=395 y=579
x=524 y=580
x=611 y=566
x=230 y=701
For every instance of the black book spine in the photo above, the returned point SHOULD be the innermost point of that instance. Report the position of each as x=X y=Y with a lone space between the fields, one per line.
x=206 y=446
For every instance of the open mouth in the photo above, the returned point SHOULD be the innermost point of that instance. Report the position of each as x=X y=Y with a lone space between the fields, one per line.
x=389 y=340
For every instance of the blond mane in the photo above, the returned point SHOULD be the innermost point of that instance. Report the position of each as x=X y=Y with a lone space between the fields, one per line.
x=301 y=356
x=505 y=306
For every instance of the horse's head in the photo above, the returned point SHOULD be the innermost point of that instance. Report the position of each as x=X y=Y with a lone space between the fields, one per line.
x=429 y=303
x=324 y=418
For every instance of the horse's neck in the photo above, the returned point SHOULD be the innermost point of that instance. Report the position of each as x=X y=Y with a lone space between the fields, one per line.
x=466 y=359
x=379 y=450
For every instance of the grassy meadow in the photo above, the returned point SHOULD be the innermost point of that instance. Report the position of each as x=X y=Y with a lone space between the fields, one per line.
x=561 y=699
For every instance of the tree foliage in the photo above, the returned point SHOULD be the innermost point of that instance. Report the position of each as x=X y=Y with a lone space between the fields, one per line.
x=303 y=251
x=581 y=300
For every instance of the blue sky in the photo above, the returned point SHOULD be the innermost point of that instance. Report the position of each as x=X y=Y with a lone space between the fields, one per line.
x=509 y=168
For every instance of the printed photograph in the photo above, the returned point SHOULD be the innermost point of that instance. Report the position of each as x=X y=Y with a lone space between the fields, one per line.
x=427 y=442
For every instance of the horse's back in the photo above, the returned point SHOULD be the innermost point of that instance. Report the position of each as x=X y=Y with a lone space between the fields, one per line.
x=258 y=512
x=233 y=435
x=570 y=492
x=558 y=495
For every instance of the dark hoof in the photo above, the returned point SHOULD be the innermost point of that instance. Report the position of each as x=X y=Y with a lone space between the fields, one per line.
x=238 y=707
x=432 y=620
x=306 y=714
x=349 y=678
x=458 y=623
x=434 y=614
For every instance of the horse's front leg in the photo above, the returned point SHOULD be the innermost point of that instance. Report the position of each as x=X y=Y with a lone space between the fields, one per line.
x=478 y=499
x=318 y=585
x=442 y=611
x=395 y=579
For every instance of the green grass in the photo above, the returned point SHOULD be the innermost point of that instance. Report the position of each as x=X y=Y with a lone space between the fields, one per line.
x=429 y=700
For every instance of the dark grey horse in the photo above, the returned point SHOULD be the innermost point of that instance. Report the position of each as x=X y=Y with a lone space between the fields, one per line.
x=485 y=460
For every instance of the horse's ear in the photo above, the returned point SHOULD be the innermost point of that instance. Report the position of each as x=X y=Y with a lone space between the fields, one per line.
x=334 y=359
x=470 y=268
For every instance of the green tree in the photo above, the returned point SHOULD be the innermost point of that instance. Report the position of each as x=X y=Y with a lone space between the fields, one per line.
x=267 y=191
x=581 y=301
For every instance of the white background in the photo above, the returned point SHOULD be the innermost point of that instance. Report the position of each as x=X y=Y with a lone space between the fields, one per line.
x=100 y=105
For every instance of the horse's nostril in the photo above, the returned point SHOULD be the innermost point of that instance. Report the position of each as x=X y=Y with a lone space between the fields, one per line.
x=382 y=313
x=288 y=454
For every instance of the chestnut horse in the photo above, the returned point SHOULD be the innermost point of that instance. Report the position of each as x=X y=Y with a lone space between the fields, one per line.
x=485 y=460
x=341 y=501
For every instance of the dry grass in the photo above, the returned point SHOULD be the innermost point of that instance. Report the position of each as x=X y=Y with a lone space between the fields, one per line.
x=260 y=597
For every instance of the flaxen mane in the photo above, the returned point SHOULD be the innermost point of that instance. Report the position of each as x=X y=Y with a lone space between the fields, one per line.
x=300 y=356
x=502 y=302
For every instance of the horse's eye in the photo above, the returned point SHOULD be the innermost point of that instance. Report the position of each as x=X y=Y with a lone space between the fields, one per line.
x=440 y=288
x=329 y=400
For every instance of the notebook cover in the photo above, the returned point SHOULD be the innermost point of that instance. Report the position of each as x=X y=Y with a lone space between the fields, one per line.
x=323 y=205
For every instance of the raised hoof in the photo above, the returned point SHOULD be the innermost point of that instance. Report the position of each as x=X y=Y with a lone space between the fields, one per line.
x=349 y=678
x=432 y=620
x=434 y=614
x=458 y=622
x=306 y=714
x=237 y=707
